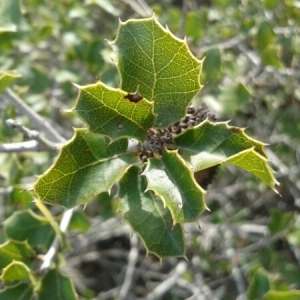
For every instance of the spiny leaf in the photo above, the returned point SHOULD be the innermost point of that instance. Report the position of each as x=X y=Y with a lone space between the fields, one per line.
x=85 y=167
x=14 y=250
x=109 y=111
x=16 y=271
x=28 y=226
x=210 y=144
x=148 y=218
x=172 y=180
x=61 y=287
x=159 y=65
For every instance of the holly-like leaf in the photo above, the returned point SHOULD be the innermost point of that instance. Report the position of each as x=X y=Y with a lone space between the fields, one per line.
x=159 y=65
x=56 y=286
x=13 y=250
x=148 y=218
x=172 y=180
x=85 y=167
x=109 y=111
x=210 y=144
x=28 y=226
x=16 y=271
x=259 y=285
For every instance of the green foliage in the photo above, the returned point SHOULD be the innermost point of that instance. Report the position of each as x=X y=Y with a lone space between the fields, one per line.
x=157 y=64
x=108 y=112
x=259 y=285
x=54 y=285
x=149 y=61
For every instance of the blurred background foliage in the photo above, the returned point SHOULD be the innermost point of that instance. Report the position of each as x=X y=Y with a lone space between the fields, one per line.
x=251 y=74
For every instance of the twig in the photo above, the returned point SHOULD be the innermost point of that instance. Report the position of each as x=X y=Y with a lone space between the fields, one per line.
x=54 y=137
x=65 y=221
x=166 y=285
x=132 y=258
x=38 y=144
x=228 y=44
x=39 y=122
x=28 y=146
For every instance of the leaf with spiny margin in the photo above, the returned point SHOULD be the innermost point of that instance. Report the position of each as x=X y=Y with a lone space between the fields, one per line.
x=16 y=271
x=161 y=66
x=209 y=144
x=106 y=111
x=61 y=287
x=172 y=180
x=14 y=250
x=28 y=226
x=148 y=218
x=86 y=166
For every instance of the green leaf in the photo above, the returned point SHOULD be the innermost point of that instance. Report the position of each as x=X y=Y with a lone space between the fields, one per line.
x=259 y=285
x=159 y=65
x=56 y=286
x=16 y=271
x=172 y=180
x=280 y=221
x=265 y=35
x=270 y=56
x=79 y=222
x=108 y=111
x=271 y=4
x=28 y=226
x=86 y=166
x=22 y=291
x=279 y=295
x=6 y=78
x=14 y=250
x=212 y=66
x=233 y=97
x=210 y=144
x=10 y=15
x=148 y=218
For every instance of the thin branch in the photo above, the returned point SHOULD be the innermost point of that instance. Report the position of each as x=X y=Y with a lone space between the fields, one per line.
x=228 y=44
x=38 y=144
x=28 y=146
x=132 y=259
x=39 y=122
x=166 y=285
x=65 y=221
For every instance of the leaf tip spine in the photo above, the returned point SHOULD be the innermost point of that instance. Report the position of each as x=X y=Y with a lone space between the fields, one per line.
x=77 y=85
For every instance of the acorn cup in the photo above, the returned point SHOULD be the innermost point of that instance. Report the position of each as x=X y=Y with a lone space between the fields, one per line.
x=158 y=138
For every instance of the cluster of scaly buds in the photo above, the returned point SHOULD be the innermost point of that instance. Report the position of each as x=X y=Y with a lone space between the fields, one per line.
x=157 y=139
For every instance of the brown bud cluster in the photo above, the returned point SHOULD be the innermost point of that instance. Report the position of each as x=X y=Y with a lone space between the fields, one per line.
x=157 y=139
